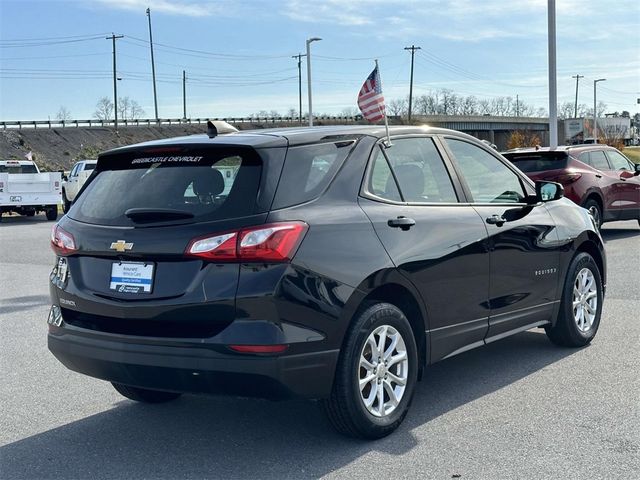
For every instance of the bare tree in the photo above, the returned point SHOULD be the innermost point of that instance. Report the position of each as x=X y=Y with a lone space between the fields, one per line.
x=398 y=107
x=129 y=109
x=63 y=113
x=104 y=109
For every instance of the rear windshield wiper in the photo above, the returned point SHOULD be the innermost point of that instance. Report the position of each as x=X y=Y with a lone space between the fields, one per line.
x=148 y=215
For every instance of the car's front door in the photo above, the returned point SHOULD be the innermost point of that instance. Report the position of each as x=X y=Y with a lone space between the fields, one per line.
x=627 y=186
x=525 y=252
x=435 y=240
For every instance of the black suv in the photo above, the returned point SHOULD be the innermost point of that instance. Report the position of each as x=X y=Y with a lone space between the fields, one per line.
x=314 y=262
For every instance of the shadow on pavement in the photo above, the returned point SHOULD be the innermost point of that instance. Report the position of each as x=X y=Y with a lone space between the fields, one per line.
x=618 y=233
x=17 y=304
x=197 y=437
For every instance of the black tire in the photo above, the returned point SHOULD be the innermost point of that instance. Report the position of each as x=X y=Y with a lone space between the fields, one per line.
x=144 y=395
x=52 y=212
x=66 y=204
x=566 y=332
x=596 y=211
x=345 y=407
x=30 y=213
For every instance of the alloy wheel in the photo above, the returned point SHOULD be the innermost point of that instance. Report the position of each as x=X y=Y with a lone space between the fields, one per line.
x=585 y=300
x=383 y=371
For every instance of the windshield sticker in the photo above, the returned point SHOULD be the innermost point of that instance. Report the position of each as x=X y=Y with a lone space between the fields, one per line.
x=186 y=159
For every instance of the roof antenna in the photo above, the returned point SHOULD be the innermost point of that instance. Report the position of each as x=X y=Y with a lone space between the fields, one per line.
x=212 y=131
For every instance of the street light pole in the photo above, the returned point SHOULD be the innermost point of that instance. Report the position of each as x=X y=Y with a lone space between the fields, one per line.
x=553 y=87
x=309 y=41
x=595 y=112
x=153 y=67
x=413 y=49
x=113 y=38
x=299 y=57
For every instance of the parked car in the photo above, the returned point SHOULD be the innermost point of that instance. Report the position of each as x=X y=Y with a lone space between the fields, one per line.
x=26 y=191
x=596 y=177
x=335 y=266
x=73 y=184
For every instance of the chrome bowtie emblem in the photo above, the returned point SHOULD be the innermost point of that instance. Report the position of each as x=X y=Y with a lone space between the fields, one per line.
x=121 y=246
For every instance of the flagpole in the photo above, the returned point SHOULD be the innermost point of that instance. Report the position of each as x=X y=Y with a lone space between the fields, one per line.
x=387 y=144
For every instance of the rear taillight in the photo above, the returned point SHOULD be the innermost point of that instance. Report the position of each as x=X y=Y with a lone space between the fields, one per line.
x=565 y=178
x=62 y=242
x=276 y=242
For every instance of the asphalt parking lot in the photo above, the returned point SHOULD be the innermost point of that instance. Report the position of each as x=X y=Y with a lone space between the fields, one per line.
x=519 y=408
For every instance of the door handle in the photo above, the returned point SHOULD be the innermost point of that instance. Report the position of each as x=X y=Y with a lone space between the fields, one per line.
x=401 y=222
x=496 y=220
x=598 y=176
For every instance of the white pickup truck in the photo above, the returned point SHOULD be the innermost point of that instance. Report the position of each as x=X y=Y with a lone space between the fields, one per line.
x=26 y=191
x=72 y=185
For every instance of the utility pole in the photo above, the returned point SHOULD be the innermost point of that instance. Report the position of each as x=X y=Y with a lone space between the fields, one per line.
x=553 y=80
x=577 y=77
x=413 y=49
x=153 y=67
x=314 y=39
x=113 y=38
x=517 y=105
x=595 y=112
x=184 y=94
x=299 y=57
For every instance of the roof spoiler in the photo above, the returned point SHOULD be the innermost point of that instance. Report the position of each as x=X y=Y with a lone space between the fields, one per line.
x=218 y=127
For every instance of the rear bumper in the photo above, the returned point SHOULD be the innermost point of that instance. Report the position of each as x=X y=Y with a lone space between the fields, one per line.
x=175 y=366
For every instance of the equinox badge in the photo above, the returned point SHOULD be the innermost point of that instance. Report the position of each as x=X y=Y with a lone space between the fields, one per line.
x=121 y=246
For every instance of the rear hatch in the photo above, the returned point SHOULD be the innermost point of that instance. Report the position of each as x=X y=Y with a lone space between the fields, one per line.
x=134 y=222
x=539 y=165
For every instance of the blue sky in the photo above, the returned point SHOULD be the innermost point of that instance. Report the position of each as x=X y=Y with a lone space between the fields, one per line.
x=237 y=54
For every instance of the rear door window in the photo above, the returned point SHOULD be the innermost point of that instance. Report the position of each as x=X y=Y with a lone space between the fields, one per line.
x=215 y=184
x=599 y=160
x=308 y=170
x=420 y=171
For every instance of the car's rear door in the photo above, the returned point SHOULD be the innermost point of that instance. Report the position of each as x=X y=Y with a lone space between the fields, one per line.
x=432 y=237
x=523 y=240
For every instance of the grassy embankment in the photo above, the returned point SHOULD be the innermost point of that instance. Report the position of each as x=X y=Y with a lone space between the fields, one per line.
x=632 y=153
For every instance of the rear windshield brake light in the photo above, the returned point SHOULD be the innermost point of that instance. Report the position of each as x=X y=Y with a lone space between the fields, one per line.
x=275 y=242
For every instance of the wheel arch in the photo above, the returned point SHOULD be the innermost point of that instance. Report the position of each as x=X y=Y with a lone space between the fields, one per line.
x=594 y=247
x=390 y=286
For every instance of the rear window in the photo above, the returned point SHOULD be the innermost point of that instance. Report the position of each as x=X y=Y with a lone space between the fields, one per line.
x=187 y=187
x=308 y=170
x=539 y=161
x=18 y=168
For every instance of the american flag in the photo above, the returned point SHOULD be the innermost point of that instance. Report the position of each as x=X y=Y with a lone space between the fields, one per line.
x=370 y=98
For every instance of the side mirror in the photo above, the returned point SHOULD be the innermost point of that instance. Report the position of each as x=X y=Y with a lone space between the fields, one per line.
x=548 y=191
x=636 y=171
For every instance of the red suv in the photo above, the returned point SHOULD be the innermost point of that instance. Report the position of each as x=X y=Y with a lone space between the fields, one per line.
x=597 y=177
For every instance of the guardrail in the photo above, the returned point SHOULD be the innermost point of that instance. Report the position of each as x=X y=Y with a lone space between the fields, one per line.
x=148 y=122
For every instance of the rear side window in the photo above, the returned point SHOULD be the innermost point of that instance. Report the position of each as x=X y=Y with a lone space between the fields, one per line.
x=148 y=188
x=538 y=162
x=308 y=170
x=89 y=166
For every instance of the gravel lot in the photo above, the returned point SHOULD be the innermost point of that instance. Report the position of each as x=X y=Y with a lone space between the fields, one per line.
x=519 y=408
